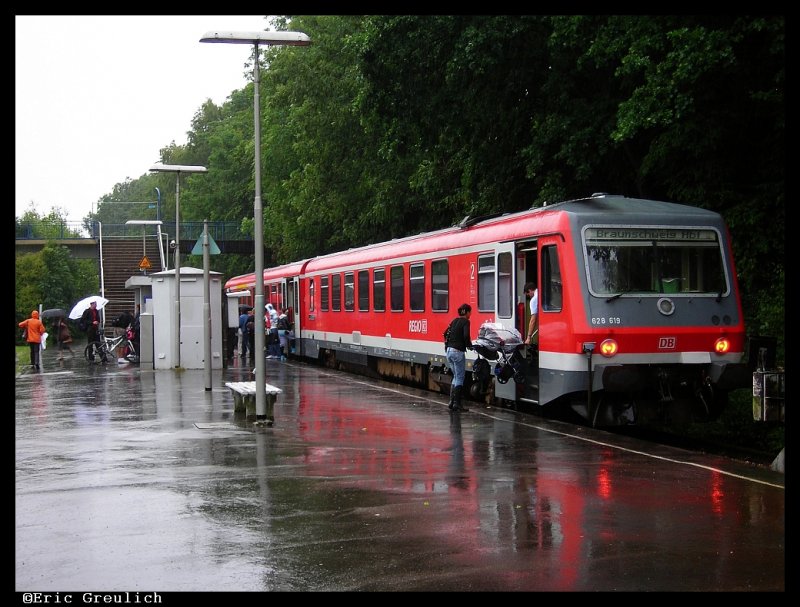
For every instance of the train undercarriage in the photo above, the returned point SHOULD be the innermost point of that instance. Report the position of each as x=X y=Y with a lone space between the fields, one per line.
x=632 y=395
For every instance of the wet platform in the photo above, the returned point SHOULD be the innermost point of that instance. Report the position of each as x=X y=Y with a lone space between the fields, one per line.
x=143 y=481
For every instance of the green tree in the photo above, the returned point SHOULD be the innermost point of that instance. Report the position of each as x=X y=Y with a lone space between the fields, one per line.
x=52 y=278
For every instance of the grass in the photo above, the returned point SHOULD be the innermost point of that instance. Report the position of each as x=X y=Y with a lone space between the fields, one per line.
x=23 y=358
x=736 y=426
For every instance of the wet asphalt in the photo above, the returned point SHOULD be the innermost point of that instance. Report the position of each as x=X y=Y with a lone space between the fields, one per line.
x=136 y=480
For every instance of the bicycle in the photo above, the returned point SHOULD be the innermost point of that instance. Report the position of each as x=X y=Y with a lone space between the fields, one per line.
x=106 y=346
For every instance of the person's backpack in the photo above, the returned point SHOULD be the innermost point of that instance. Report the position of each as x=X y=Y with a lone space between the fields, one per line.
x=283 y=323
x=447 y=332
x=82 y=324
x=123 y=320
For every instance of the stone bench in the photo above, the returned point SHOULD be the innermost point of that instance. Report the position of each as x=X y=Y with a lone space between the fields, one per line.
x=244 y=398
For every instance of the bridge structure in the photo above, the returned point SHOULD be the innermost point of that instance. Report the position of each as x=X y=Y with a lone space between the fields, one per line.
x=120 y=249
x=79 y=237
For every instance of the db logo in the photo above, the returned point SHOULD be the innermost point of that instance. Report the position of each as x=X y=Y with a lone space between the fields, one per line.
x=666 y=343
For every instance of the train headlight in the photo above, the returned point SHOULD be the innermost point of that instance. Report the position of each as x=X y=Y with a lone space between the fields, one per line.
x=722 y=345
x=609 y=347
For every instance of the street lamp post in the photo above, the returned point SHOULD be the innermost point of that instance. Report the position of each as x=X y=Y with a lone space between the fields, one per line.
x=177 y=168
x=255 y=39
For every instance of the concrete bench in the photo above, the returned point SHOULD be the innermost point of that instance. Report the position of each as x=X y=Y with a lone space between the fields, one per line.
x=244 y=398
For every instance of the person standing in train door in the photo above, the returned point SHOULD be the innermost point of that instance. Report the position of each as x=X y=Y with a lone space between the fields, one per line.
x=456 y=345
x=533 y=324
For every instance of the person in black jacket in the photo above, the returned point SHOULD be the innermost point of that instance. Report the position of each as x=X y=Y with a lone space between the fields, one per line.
x=456 y=346
x=91 y=320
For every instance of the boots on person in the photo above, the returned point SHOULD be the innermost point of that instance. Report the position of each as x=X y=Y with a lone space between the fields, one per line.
x=452 y=404
x=457 y=406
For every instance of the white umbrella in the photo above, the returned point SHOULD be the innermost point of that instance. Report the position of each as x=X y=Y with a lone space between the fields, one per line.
x=80 y=307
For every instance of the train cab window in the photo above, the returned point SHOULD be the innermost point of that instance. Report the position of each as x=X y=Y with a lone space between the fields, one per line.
x=653 y=261
x=440 y=286
x=551 y=297
x=336 y=292
x=349 y=292
x=363 y=290
x=416 y=287
x=379 y=289
x=505 y=285
x=397 y=288
x=311 y=293
x=486 y=277
x=325 y=293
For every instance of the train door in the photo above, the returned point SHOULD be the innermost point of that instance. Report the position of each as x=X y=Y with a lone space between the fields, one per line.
x=553 y=329
x=527 y=273
x=505 y=308
x=293 y=302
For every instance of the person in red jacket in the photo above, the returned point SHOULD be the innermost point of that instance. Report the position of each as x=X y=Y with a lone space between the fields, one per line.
x=34 y=329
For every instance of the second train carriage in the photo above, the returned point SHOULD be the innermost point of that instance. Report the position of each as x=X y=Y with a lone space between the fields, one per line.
x=639 y=309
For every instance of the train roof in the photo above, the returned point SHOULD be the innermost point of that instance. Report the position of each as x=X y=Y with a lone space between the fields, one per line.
x=245 y=281
x=553 y=218
x=473 y=231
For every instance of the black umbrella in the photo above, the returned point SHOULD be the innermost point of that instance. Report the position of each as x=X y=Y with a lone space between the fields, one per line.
x=244 y=308
x=54 y=313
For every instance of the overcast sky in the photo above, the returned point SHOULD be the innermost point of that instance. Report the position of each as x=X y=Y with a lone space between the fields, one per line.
x=97 y=97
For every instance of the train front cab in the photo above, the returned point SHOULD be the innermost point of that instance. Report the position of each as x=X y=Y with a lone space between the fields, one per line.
x=670 y=368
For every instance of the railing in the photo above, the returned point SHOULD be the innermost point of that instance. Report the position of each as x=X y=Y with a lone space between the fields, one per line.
x=61 y=230
x=51 y=230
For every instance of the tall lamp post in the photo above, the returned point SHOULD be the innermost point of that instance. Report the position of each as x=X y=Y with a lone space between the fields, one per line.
x=257 y=39
x=177 y=168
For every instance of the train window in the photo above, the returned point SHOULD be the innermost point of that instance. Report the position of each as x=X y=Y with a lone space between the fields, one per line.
x=324 y=292
x=363 y=290
x=486 y=283
x=551 y=297
x=397 y=288
x=311 y=291
x=336 y=292
x=416 y=287
x=653 y=260
x=349 y=292
x=379 y=289
x=440 y=286
x=505 y=286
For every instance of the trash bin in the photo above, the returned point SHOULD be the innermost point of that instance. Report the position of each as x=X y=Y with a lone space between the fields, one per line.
x=671 y=285
x=768 y=396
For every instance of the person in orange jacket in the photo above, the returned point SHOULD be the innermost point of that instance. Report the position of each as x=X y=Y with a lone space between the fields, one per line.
x=34 y=329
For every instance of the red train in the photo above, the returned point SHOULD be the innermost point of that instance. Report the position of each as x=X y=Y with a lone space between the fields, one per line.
x=639 y=309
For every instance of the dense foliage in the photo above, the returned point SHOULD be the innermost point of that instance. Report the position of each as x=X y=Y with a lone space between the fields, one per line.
x=52 y=278
x=392 y=125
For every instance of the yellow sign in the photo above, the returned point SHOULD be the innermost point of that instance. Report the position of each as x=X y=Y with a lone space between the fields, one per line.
x=145 y=263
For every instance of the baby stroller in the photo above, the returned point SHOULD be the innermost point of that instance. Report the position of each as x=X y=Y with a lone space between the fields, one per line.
x=497 y=343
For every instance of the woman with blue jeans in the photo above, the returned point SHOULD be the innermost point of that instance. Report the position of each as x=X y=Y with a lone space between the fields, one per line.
x=456 y=346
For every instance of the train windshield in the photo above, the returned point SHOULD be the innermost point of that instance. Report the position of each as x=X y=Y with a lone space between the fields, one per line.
x=644 y=260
